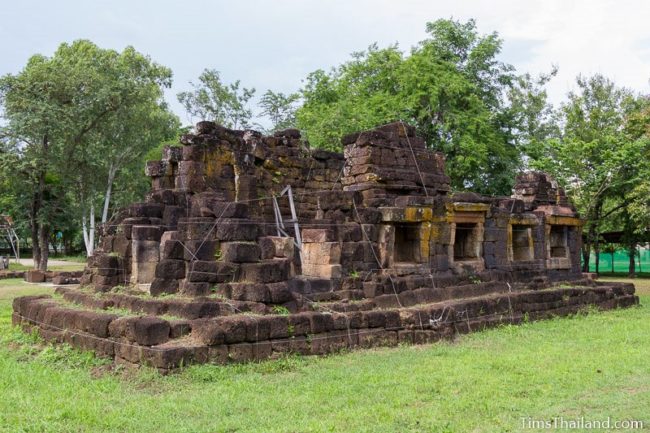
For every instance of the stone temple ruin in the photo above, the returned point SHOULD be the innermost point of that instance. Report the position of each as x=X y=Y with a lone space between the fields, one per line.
x=250 y=247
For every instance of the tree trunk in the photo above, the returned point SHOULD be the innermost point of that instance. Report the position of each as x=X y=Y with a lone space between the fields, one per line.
x=84 y=232
x=109 y=189
x=592 y=235
x=33 y=222
x=632 y=253
x=88 y=231
x=586 y=253
x=629 y=238
x=91 y=237
x=613 y=252
x=586 y=248
x=44 y=240
x=597 y=240
x=42 y=229
x=36 y=249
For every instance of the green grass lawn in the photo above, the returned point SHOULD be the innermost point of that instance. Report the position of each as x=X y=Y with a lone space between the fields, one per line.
x=593 y=366
x=69 y=266
x=80 y=258
x=18 y=267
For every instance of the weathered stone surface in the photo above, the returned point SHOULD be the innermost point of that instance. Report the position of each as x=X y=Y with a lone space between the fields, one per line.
x=241 y=352
x=64 y=279
x=322 y=271
x=318 y=235
x=33 y=276
x=146 y=233
x=172 y=249
x=147 y=331
x=144 y=251
x=322 y=253
x=170 y=269
x=240 y=252
x=387 y=255
x=236 y=230
x=203 y=271
x=161 y=286
x=254 y=292
x=194 y=289
x=208 y=332
x=94 y=323
x=234 y=328
x=267 y=271
x=279 y=292
x=194 y=250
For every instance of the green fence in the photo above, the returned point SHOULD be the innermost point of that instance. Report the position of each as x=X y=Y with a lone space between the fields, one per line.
x=621 y=261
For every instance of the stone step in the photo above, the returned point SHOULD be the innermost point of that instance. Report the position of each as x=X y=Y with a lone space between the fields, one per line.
x=189 y=308
x=165 y=344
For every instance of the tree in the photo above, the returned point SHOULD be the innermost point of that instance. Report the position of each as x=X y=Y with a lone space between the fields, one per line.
x=280 y=109
x=462 y=100
x=62 y=113
x=213 y=100
x=595 y=158
x=635 y=193
x=116 y=156
x=533 y=119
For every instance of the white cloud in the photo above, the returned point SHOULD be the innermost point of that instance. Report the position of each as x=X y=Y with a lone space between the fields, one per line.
x=274 y=44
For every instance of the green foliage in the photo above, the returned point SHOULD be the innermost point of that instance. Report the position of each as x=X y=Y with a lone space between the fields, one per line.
x=281 y=310
x=154 y=153
x=280 y=109
x=213 y=100
x=76 y=123
x=601 y=157
x=637 y=191
x=451 y=86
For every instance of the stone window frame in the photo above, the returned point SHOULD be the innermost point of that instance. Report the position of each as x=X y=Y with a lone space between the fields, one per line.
x=416 y=244
x=511 y=243
x=420 y=217
x=478 y=231
x=531 y=223
x=473 y=213
x=565 y=241
x=570 y=224
x=557 y=262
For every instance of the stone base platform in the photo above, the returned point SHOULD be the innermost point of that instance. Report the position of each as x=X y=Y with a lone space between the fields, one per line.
x=169 y=333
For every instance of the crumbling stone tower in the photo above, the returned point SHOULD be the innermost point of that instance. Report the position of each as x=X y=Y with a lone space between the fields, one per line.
x=263 y=246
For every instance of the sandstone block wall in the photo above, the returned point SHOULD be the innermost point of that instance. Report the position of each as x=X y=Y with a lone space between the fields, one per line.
x=382 y=208
x=213 y=266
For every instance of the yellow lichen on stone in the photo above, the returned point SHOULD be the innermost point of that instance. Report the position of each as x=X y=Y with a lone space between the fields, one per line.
x=524 y=220
x=416 y=214
x=426 y=230
x=215 y=159
x=434 y=233
x=564 y=221
x=471 y=207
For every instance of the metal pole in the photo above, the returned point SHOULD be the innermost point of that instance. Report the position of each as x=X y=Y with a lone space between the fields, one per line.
x=294 y=218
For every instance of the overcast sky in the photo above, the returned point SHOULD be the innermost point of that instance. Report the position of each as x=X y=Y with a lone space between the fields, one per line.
x=274 y=44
